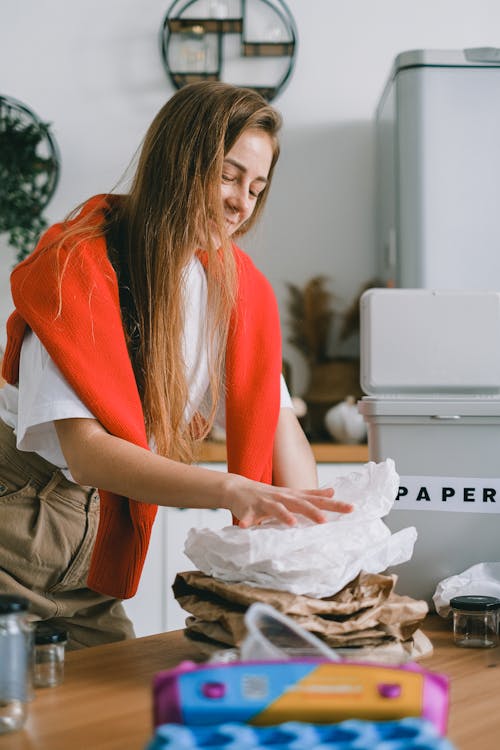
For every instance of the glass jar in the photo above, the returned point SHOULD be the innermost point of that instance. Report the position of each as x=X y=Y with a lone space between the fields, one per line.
x=48 y=664
x=475 y=621
x=15 y=662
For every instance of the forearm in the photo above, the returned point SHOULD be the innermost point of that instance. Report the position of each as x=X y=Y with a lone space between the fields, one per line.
x=294 y=464
x=101 y=460
x=98 y=459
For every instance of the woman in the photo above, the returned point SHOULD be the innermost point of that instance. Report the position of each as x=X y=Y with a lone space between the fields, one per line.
x=136 y=321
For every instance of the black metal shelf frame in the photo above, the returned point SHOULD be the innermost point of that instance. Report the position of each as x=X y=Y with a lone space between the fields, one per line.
x=177 y=23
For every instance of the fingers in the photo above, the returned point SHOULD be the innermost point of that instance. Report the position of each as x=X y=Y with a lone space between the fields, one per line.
x=338 y=506
x=313 y=503
x=284 y=504
x=323 y=499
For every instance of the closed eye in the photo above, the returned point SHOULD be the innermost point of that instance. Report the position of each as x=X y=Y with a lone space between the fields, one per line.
x=256 y=193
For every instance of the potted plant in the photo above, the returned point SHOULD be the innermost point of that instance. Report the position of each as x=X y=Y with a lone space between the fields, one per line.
x=29 y=171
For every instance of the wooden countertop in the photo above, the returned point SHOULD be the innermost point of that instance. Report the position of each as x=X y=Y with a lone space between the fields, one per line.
x=212 y=452
x=105 y=701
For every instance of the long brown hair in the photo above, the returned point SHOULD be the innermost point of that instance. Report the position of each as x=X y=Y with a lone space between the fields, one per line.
x=174 y=200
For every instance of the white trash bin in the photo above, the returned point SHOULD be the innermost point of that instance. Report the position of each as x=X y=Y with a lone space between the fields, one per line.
x=430 y=364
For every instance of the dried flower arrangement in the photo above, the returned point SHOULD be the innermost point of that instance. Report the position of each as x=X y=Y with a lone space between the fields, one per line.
x=317 y=329
x=312 y=318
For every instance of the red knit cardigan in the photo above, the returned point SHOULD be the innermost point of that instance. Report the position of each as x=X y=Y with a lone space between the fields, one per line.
x=83 y=333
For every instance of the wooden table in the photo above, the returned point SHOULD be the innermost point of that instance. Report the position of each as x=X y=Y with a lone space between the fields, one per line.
x=105 y=700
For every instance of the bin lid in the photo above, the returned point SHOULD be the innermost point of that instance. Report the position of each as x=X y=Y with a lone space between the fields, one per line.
x=443 y=409
x=430 y=343
x=471 y=57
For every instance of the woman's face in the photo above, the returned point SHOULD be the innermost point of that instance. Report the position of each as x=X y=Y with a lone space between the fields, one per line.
x=244 y=176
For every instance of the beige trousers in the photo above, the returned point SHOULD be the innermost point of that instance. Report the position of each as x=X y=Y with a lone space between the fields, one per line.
x=47 y=532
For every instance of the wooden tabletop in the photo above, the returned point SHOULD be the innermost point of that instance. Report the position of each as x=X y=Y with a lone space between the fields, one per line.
x=105 y=700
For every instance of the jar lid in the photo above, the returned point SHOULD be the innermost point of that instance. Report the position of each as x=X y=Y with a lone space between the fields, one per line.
x=10 y=603
x=474 y=603
x=45 y=634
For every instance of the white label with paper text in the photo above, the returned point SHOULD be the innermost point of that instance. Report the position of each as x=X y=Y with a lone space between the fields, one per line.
x=455 y=494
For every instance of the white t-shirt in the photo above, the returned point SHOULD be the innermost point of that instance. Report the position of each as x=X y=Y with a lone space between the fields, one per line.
x=44 y=395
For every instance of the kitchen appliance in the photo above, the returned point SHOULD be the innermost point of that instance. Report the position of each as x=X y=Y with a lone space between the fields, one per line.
x=438 y=168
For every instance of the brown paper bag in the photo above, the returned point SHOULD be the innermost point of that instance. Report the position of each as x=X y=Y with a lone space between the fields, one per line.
x=365 y=591
x=365 y=612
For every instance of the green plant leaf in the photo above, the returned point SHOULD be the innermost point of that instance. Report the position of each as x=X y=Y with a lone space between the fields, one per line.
x=28 y=175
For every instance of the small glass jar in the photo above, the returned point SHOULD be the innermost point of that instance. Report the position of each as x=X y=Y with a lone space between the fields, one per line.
x=475 y=621
x=48 y=663
x=16 y=640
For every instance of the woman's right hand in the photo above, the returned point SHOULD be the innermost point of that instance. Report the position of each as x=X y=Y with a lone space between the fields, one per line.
x=253 y=502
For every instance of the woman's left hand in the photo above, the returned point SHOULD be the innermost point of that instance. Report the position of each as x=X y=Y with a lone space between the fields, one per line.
x=253 y=502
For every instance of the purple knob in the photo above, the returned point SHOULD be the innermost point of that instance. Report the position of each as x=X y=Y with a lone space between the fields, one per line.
x=389 y=690
x=213 y=689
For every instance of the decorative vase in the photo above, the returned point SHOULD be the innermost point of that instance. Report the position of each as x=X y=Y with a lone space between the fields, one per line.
x=344 y=422
x=329 y=384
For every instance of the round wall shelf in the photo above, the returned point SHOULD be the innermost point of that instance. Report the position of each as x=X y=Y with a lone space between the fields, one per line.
x=250 y=43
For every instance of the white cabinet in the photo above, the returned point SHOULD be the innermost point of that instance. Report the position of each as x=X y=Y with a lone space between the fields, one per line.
x=147 y=608
x=178 y=524
x=154 y=608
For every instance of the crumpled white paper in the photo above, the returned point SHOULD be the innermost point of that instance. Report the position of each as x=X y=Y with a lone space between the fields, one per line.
x=482 y=579
x=315 y=560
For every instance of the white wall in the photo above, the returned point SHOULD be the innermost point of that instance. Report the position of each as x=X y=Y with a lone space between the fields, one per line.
x=93 y=70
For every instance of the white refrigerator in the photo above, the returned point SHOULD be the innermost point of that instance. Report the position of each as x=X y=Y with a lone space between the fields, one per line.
x=438 y=170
